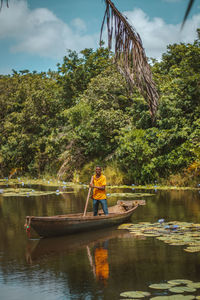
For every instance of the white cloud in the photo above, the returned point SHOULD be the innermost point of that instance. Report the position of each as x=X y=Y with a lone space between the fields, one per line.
x=40 y=32
x=156 y=34
x=79 y=25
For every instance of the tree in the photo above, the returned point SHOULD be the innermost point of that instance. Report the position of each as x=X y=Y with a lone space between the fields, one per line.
x=29 y=122
x=172 y=146
x=95 y=120
x=77 y=71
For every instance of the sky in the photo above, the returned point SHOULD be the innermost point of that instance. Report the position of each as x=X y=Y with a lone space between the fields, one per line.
x=35 y=34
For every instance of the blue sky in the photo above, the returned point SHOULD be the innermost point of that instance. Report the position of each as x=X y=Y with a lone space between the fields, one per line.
x=35 y=34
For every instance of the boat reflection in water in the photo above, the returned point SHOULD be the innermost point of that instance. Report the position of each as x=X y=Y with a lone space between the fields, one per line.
x=95 y=244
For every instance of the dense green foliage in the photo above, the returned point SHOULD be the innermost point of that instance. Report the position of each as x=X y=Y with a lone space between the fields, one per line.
x=67 y=121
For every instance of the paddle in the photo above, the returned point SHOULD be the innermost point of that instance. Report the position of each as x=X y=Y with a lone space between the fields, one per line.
x=88 y=196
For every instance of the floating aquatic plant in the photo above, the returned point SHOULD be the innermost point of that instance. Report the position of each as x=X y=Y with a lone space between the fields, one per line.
x=174 y=297
x=177 y=286
x=192 y=249
x=135 y=294
x=152 y=187
x=11 y=192
x=40 y=182
x=173 y=233
x=194 y=284
x=130 y=195
x=55 y=182
x=160 y=286
x=182 y=289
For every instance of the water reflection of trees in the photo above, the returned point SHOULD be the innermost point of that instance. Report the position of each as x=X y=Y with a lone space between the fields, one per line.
x=173 y=205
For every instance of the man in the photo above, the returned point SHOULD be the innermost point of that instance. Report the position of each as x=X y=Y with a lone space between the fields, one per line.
x=99 y=192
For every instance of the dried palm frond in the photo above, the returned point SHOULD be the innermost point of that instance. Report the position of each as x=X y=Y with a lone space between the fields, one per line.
x=187 y=12
x=130 y=55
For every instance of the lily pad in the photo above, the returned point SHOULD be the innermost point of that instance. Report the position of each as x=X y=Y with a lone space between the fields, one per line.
x=180 y=281
x=178 y=243
x=160 y=286
x=185 y=234
x=125 y=226
x=136 y=232
x=151 y=234
x=192 y=249
x=19 y=192
x=174 y=297
x=195 y=285
x=162 y=238
x=130 y=195
x=139 y=235
x=194 y=243
x=160 y=298
x=182 y=289
x=135 y=294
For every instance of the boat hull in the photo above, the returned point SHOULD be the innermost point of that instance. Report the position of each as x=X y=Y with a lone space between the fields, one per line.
x=70 y=224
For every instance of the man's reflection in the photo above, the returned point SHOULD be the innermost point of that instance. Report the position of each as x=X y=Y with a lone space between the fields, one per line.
x=100 y=265
x=101 y=262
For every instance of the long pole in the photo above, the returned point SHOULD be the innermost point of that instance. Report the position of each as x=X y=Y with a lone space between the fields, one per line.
x=88 y=196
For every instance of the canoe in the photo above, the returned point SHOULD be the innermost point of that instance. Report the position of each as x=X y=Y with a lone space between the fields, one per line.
x=73 y=223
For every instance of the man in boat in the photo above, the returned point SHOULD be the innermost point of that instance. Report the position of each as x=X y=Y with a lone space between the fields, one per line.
x=99 y=191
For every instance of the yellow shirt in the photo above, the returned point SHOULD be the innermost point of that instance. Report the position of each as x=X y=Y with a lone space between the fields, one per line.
x=99 y=194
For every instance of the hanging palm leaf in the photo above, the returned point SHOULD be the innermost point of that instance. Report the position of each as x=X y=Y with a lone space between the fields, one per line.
x=191 y=2
x=130 y=55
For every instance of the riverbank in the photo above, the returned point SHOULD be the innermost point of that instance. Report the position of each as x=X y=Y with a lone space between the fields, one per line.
x=53 y=182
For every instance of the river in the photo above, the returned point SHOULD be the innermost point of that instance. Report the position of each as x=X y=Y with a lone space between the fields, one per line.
x=71 y=267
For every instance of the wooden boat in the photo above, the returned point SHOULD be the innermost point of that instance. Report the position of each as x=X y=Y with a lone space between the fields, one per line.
x=74 y=223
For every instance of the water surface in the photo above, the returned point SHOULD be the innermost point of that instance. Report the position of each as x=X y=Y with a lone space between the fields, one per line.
x=72 y=267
